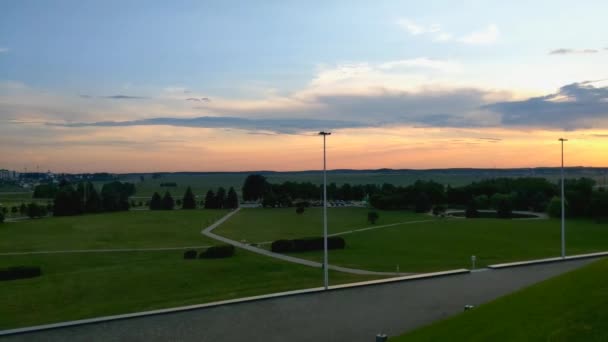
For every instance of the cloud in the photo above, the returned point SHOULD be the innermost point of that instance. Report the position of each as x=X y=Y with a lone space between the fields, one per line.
x=435 y=64
x=123 y=97
x=574 y=106
x=488 y=35
x=271 y=125
x=417 y=29
x=572 y=51
x=113 y=97
x=4 y=50
x=198 y=99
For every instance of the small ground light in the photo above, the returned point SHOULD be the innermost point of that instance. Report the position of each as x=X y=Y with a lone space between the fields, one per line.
x=468 y=307
x=473 y=259
x=381 y=338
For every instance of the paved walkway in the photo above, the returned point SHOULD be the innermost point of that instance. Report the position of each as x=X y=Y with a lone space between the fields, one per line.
x=209 y=233
x=352 y=314
x=110 y=250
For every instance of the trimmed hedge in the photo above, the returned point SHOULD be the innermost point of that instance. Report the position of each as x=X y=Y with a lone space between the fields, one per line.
x=19 y=272
x=190 y=254
x=214 y=252
x=307 y=244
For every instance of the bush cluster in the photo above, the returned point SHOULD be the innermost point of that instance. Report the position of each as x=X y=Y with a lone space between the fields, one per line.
x=215 y=252
x=19 y=272
x=307 y=244
x=190 y=254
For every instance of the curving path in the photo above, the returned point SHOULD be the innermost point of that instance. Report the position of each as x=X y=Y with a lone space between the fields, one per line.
x=209 y=233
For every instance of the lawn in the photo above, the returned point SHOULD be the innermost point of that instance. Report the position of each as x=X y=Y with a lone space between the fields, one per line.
x=133 y=229
x=76 y=286
x=261 y=225
x=420 y=247
x=570 y=307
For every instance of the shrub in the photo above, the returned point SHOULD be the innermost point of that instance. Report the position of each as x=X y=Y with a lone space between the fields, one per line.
x=307 y=244
x=300 y=210
x=190 y=254
x=19 y=272
x=372 y=217
x=281 y=246
x=214 y=252
x=1 y=218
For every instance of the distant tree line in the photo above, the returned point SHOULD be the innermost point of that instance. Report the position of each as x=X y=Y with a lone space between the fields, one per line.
x=213 y=200
x=501 y=194
x=84 y=198
x=221 y=199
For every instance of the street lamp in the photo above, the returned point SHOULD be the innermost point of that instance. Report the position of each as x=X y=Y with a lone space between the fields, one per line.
x=563 y=204
x=325 y=264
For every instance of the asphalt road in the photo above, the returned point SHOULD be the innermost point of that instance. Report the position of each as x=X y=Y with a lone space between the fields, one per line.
x=354 y=314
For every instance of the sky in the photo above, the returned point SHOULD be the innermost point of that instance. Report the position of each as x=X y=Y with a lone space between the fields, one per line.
x=142 y=86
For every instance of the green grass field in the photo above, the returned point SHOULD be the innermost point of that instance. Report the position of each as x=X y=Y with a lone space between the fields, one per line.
x=133 y=229
x=259 y=225
x=82 y=285
x=76 y=286
x=420 y=247
x=570 y=307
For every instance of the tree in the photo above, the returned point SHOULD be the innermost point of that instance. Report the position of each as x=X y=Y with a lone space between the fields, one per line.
x=188 y=202
x=220 y=198
x=14 y=210
x=423 y=203
x=156 y=202
x=210 y=200
x=505 y=208
x=92 y=202
x=115 y=196
x=439 y=210
x=168 y=203
x=232 y=201
x=372 y=217
x=35 y=211
x=67 y=202
x=1 y=218
x=22 y=209
x=471 y=211
x=254 y=187
x=599 y=206
x=554 y=209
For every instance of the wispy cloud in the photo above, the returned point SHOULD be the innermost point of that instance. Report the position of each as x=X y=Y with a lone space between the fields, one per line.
x=4 y=50
x=198 y=99
x=271 y=125
x=113 y=97
x=487 y=35
x=564 y=51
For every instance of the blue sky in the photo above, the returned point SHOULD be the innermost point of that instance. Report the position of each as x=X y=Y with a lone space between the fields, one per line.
x=381 y=64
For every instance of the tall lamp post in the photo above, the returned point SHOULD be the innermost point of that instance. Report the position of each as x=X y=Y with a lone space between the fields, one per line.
x=325 y=263
x=563 y=204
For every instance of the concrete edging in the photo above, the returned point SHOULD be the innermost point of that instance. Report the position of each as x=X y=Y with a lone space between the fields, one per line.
x=227 y=302
x=547 y=260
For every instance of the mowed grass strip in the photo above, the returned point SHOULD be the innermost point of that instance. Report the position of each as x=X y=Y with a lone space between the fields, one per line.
x=133 y=229
x=570 y=307
x=265 y=224
x=435 y=245
x=91 y=285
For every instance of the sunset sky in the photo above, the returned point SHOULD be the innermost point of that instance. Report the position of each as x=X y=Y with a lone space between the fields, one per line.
x=138 y=86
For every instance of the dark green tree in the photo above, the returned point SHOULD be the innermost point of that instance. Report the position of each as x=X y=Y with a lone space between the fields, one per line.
x=210 y=200
x=372 y=217
x=1 y=218
x=188 y=202
x=254 y=187
x=232 y=200
x=300 y=210
x=471 y=211
x=220 y=198
x=156 y=202
x=67 y=202
x=168 y=203
x=22 y=209
x=36 y=211
x=115 y=196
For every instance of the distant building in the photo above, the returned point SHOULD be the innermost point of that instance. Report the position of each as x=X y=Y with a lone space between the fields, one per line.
x=7 y=175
